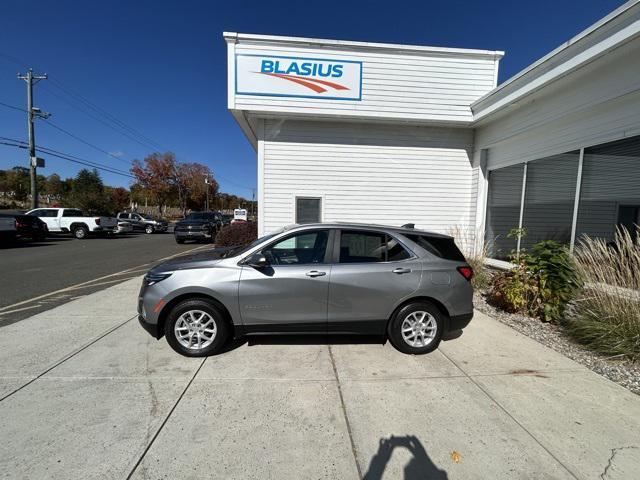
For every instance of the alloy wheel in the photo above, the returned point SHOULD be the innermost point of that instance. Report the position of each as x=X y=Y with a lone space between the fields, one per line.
x=419 y=329
x=195 y=329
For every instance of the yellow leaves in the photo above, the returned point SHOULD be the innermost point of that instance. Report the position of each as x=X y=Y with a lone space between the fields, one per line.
x=455 y=457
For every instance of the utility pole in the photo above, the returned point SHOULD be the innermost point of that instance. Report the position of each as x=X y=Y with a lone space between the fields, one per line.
x=32 y=113
x=253 y=201
x=206 y=186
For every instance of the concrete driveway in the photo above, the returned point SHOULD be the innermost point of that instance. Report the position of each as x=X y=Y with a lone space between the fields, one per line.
x=86 y=393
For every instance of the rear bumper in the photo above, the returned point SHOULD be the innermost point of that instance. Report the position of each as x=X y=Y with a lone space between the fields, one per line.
x=100 y=229
x=458 y=322
x=151 y=328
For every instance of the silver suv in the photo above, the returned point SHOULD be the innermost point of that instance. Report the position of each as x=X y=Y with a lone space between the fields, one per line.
x=407 y=284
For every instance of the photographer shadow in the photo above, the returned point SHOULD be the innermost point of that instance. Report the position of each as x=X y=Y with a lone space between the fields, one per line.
x=419 y=467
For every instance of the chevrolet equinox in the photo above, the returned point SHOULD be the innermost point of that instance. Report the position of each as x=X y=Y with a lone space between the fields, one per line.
x=410 y=285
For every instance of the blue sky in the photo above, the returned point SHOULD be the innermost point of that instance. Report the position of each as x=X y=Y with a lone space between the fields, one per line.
x=160 y=66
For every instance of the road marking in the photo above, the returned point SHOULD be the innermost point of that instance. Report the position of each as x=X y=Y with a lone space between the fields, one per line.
x=78 y=285
x=20 y=309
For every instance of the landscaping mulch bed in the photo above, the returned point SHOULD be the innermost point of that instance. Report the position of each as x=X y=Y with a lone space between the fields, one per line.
x=623 y=372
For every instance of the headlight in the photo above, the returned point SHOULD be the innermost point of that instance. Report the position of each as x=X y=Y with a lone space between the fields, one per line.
x=153 y=278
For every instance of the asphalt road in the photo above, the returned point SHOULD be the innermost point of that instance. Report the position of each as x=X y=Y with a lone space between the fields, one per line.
x=31 y=272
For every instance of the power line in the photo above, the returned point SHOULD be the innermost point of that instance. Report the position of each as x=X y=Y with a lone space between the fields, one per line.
x=109 y=120
x=12 y=107
x=51 y=124
x=65 y=156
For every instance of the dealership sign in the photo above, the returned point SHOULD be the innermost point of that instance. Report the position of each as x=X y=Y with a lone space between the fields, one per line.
x=278 y=76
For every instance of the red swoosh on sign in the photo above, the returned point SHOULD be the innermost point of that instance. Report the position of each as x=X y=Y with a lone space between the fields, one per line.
x=307 y=82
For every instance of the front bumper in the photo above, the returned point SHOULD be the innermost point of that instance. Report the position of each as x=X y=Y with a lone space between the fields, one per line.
x=151 y=328
x=192 y=234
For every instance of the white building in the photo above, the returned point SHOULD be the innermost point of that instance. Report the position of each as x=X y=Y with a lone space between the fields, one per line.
x=394 y=134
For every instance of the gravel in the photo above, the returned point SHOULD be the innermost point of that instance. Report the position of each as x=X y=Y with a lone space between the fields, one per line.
x=623 y=372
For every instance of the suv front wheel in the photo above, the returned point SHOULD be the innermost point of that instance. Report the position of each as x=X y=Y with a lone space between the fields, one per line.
x=416 y=328
x=196 y=328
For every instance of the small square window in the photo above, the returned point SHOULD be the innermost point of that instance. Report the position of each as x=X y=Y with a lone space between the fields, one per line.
x=308 y=209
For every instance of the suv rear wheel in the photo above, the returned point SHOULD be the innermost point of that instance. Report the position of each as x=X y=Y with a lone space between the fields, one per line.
x=416 y=328
x=196 y=328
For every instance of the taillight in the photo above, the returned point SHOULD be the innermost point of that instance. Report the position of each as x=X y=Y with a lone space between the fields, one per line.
x=97 y=221
x=466 y=272
x=19 y=224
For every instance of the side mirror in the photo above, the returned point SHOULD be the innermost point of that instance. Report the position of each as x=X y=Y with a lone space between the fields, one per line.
x=257 y=260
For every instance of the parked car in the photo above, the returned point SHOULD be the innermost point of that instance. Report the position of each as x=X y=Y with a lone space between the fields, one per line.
x=226 y=219
x=72 y=220
x=27 y=226
x=8 y=230
x=198 y=226
x=410 y=285
x=143 y=222
x=124 y=227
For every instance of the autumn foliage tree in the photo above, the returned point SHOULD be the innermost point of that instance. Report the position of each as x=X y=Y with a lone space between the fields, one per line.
x=164 y=178
x=156 y=174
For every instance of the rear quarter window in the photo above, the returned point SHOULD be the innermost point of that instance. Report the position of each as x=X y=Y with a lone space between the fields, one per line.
x=442 y=247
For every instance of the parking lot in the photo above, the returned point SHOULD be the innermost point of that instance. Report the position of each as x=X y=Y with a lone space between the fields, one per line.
x=86 y=393
x=37 y=276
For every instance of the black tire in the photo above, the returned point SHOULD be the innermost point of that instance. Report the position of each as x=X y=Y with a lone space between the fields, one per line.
x=222 y=327
x=149 y=229
x=395 y=327
x=179 y=240
x=80 y=232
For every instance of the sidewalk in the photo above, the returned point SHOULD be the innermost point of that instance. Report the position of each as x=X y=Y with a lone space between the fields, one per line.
x=97 y=397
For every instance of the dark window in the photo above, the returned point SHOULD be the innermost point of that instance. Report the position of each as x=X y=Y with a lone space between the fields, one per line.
x=439 y=246
x=308 y=210
x=609 y=190
x=369 y=247
x=67 y=212
x=629 y=218
x=302 y=248
x=123 y=215
x=48 y=212
x=35 y=213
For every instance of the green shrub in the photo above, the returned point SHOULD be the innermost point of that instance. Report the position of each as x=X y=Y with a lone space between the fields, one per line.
x=237 y=234
x=606 y=314
x=541 y=284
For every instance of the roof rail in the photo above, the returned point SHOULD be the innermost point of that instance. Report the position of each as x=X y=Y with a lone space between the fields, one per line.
x=409 y=225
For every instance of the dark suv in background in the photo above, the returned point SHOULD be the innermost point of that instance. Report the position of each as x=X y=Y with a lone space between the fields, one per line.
x=143 y=222
x=201 y=226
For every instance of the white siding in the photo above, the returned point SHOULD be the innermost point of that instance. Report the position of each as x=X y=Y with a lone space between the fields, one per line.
x=594 y=105
x=419 y=86
x=368 y=173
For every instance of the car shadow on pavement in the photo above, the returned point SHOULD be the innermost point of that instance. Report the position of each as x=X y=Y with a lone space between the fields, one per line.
x=419 y=466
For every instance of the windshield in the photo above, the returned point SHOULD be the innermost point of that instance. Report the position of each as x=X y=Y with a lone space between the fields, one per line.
x=241 y=249
x=146 y=217
x=194 y=216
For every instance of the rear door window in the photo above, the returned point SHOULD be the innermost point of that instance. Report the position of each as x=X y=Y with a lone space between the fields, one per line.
x=442 y=247
x=370 y=247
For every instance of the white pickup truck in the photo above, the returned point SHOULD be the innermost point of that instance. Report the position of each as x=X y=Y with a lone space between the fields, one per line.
x=72 y=220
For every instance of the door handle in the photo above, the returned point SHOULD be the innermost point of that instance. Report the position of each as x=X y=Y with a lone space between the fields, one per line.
x=400 y=271
x=315 y=273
